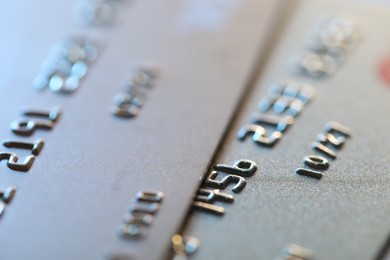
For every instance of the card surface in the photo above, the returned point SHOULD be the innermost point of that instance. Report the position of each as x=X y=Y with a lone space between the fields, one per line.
x=316 y=126
x=111 y=111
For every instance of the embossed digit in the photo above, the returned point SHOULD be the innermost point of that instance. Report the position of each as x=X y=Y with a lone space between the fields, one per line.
x=309 y=173
x=222 y=184
x=324 y=150
x=141 y=218
x=52 y=115
x=150 y=208
x=210 y=208
x=127 y=110
x=337 y=128
x=35 y=147
x=244 y=168
x=281 y=124
x=258 y=135
x=337 y=142
x=211 y=196
x=26 y=127
x=316 y=162
x=132 y=231
x=13 y=159
x=150 y=196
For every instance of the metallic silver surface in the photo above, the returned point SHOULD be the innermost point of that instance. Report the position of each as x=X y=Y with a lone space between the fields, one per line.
x=344 y=214
x=73 y=199
x=112 y=187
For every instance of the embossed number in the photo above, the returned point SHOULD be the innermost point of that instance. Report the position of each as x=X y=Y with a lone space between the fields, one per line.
x=13 y=159
x=258 y=135
x=244 y=168
x=222 y=184
x=26 y=127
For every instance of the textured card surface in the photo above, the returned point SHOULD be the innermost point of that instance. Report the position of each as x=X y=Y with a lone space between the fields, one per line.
x=110 y=113
x=316 y=126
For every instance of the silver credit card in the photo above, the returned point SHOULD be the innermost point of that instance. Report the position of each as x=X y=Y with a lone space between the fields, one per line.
x=316 y=126
x=107 y=126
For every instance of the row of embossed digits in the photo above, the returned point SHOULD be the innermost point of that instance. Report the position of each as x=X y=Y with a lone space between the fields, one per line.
x=130 y=100
x=333 y=136
x=26 y=127
x=67 y=65
x=328 y=44
x=276 y=112
x=141 y=214
x=234 y=174
x=69 y=61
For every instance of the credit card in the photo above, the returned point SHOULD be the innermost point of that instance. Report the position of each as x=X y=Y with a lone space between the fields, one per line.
x=315 y=124
x=111 y=112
